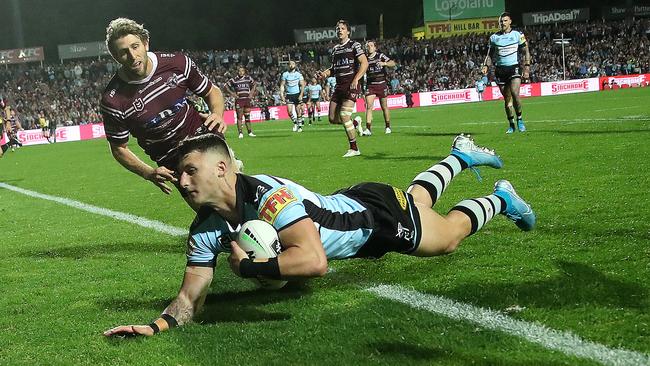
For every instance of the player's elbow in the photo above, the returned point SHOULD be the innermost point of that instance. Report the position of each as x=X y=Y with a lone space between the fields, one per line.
x=316 y=265
x=117 y=151
x=319 y=266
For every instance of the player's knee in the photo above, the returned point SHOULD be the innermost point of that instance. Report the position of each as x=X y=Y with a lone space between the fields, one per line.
x=452 y=245
x=346 y=114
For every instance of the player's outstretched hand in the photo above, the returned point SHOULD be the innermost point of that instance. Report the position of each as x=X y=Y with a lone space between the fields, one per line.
x=129 y=331
x=236 y=256
x=484 y=69
x=215 y=123
x=161 y=175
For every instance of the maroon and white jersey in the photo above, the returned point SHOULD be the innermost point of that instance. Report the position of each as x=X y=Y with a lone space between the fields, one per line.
x=376 y=74
x=243 y=86
x=154 y=110
x=344 y=61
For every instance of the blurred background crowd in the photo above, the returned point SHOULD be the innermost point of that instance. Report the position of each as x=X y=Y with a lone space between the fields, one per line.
x=69 y=93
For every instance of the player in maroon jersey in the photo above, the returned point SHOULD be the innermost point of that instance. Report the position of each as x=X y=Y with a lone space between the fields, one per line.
x=376 y=86
x=349 y=64
x=242 y=87
x=146 y=98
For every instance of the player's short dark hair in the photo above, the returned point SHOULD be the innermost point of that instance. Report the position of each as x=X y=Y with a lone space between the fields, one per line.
x=345 y=23
x=203 y=143
x=505 y=14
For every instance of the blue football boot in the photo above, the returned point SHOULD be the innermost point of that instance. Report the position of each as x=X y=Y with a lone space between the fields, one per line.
x=520 y=125
x=464 y=148
x=517 y=210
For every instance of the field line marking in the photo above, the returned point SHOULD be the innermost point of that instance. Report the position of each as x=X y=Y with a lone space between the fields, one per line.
x=562 y=341
x=133 y=219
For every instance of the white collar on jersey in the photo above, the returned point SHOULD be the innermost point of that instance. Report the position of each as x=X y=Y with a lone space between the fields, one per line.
x=154 y=61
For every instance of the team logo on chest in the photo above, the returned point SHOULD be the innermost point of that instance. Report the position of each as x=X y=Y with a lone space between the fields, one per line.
x=138 y=104
x=172 y=82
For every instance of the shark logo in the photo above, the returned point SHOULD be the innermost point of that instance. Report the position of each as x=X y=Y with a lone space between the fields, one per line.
x=261 y=190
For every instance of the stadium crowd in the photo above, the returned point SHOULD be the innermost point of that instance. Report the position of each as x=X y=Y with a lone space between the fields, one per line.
x=69 y=92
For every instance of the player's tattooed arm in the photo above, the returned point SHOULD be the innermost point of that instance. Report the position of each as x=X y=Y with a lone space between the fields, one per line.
x=182 y=309
x=191 y=297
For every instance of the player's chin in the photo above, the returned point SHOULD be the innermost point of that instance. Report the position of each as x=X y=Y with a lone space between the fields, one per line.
x=193 y=197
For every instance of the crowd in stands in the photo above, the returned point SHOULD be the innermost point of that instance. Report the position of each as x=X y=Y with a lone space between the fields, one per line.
x=69 y=92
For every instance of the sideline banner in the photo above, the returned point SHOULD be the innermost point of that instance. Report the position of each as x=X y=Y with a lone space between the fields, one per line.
x=78 y=50
x=620 y=12
x=63 y=134
x=460 y=27
x=437 y=10
x=556 y=16
x=448 y=97
x=327 y=34
x=625 y=80
x=570 y=86
x=525 y=91
x=393 y=101
x=21 y=55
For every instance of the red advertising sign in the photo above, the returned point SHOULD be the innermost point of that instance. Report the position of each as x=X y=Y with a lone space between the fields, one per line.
x=21 y=55
x=525 y=91
x=625 y=80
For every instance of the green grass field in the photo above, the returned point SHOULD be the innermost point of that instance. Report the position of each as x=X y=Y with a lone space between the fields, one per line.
x=67 y=275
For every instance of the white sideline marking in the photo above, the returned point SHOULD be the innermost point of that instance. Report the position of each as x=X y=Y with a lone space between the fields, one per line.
x=562 y=341
x=141 y=221
x=616 y=109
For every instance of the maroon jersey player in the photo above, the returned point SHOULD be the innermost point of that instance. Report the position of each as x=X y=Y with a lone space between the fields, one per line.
x=242 y=87
x=376 y=86
x=349 y=64
x=147 y=99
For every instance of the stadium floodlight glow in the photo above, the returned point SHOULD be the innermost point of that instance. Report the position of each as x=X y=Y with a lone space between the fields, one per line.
x=562 y=41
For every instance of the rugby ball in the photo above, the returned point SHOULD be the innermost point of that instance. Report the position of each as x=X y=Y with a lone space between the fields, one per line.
x=260 y=240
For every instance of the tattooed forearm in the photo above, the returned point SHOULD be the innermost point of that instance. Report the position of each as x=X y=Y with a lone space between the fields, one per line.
x=181 y=309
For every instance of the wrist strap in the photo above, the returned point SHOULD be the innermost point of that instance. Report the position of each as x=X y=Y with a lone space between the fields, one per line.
x=155 y=328
x=250 y=269
x=171 y=321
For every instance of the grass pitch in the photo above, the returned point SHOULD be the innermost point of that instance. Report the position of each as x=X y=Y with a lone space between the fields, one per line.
x=67 y=275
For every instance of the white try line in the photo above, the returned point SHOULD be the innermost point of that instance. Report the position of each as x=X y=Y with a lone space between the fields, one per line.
x=133 y=219
x=565 y=342
x=562 y=341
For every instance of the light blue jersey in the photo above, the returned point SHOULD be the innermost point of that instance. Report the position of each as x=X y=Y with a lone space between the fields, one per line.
x=314 y=91
x=343 y=223
x=292 y=81
x=331 y=83
x=480 y=84
x=505 y=46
